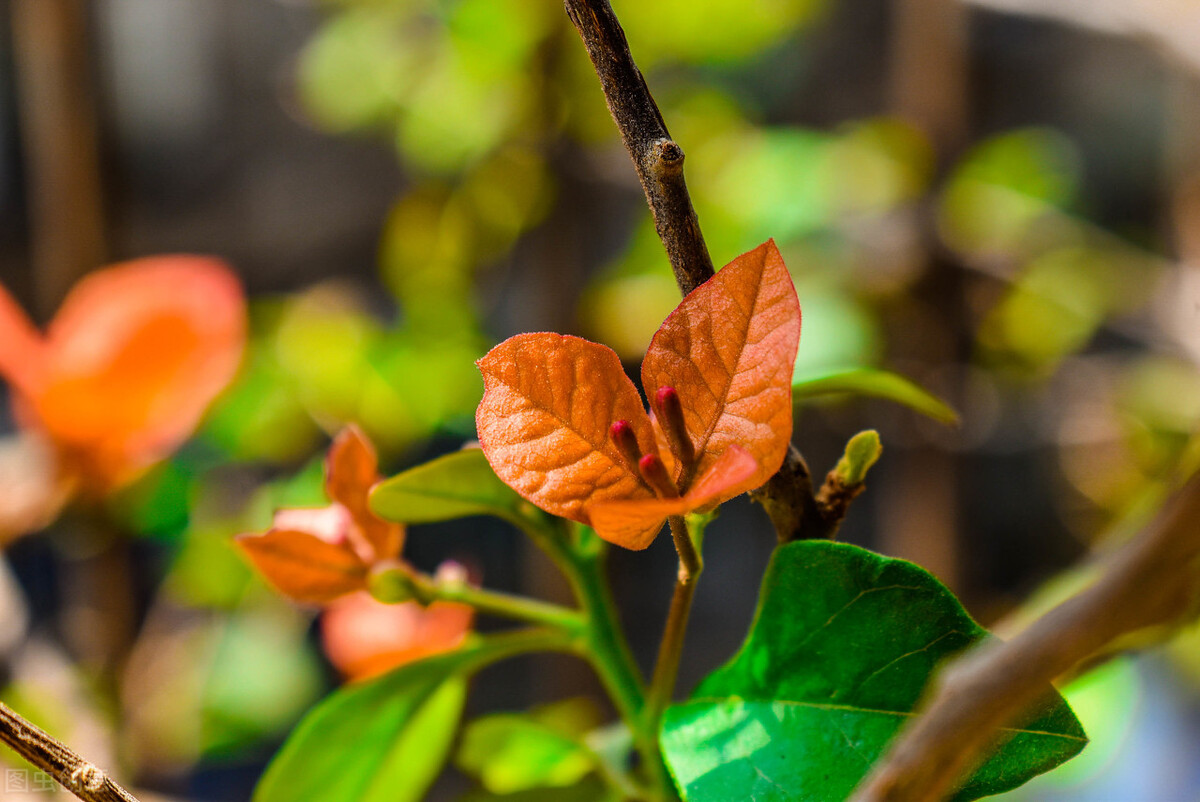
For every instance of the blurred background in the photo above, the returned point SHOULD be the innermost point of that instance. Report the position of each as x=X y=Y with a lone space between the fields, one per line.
x=997 y=198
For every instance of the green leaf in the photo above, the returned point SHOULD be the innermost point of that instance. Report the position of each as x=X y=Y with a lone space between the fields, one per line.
x=877 y=383
x=841 y=648
x=512 y=752
x=454 y=486
x=383 y=740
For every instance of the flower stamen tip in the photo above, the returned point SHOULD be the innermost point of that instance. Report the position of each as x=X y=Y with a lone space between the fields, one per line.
x=669 y=411
x=655 y=474
x=623 y=437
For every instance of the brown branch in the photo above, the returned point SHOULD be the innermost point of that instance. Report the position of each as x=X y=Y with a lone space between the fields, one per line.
x=1153 y=581
x=656 y=157
x=789 y=501
x=58 y=127
x=78 y=776
x=788 y=496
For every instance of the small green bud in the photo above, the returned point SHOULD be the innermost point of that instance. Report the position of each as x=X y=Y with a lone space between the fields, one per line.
x=391 y=582
x=862 y=451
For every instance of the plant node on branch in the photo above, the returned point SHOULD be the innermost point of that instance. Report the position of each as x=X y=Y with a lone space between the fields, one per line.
x=81 y=778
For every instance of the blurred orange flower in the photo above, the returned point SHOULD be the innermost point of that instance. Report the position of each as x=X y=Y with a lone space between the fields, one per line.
x=128 y=365
x=364 y=638
x=325 y=556
x=317 y=555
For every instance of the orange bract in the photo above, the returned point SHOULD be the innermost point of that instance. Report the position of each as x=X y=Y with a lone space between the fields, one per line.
x=305 y=567
x=134 y=356
x=564 y=427
x=544 y=422
x=728 y=350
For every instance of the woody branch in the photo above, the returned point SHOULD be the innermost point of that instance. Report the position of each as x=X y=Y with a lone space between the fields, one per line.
x=81 y=778
x=1153 y=581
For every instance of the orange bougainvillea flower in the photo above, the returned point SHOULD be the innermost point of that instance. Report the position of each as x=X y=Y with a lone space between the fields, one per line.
x=325 y=556
x=563 y=426
x=317 y=555
x=127 y=366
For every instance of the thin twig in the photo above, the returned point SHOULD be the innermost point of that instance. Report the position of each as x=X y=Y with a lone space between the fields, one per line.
x=1153 y=581
x=78 y=776
x=658 y=159
x=666 y=667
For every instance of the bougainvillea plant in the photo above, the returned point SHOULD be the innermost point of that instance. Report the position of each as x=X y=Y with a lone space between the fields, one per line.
x=835 y=661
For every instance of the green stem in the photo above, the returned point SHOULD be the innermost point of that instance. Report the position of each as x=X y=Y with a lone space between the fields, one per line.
x=666 y=668
x=608 y=652
x=519 y=608
x=605 y=646
x=504 y=645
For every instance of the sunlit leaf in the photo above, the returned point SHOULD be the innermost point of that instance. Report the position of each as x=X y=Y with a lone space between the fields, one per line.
x=875 y=383
x=544 y=422
x=728 y=350
x=553 y=406
x=843 y=643
x=512 y=752
x=383 y=740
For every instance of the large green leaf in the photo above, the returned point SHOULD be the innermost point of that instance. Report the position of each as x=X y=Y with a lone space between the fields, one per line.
x=841 y=648
x=877 y=383
x=384 y=740
x=453 y=486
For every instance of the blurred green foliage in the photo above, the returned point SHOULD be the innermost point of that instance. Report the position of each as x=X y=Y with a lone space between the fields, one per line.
x=493 y=110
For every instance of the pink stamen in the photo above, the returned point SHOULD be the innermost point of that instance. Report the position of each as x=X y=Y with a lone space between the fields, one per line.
x=655 y=474
x=669 y=412
x=623 y=437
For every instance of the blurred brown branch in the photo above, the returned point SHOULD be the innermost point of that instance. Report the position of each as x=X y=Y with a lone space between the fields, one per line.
x=59 y=134
x=1153 y=581
x=78 y=776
